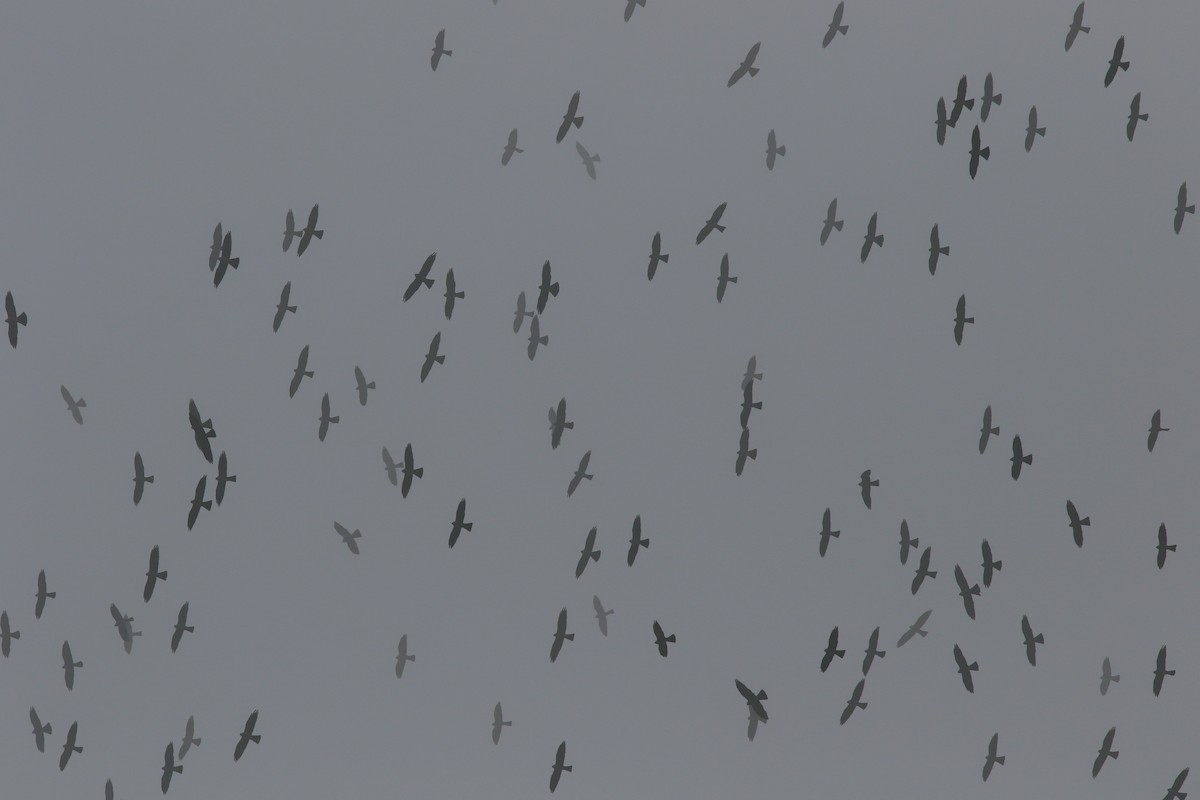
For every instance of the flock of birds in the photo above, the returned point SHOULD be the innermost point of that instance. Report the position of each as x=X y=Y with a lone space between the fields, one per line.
x=402 y=473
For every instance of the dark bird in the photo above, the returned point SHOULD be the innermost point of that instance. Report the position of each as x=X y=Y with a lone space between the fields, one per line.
x=510 y=147
x=360 y=382
x=835 y=26
x=990 y=564
x=724 y=278
x=831 y=221
x=1107 y=676
x=559 y=423
x=459 y=525
x=744 y=451
x=300 y=372
x=923 y=570
x=906 y=542
x=247 y=735
x=746 y=67
x=123 y=623
x=325 y=419
x=1160 y=670
x=1115 y=63
x=390 y=466
x=1077 y=27
x=559 y=767
x=153 y=575
x=601 y=615
x=202 y=430
x=451 y=293
x=987 y=429
x=402 y=655
x=872 y=651
x=310 y=231
x=350 y=537
x=960 y=102
x=13 y=319
x=864 y=484
x=992 y=759
x=977 y=152
x=289 y=231
x=713 y=224
x=773 y=150
x=1019 y=457
x=589 y=161
x=1155 y=429
x=855 y=700
x=224 y=261
x=968 y=592
x=965 y=669
x=570 y=118
x=1135 y=115
x=432 y=356
x=941 y=122
x=439 y=49
x=752 y=724
x=1106 y=751
x=42 y=595
x=521 y=313
x=589 y=552
x=636 y=541
x=871 y=239
x=181 y=627
x=40 y=731
x=214 y=251
x=69 y=666
x=827 y=532
x=198 y=502
x=656 y=256
x=498 y=723
x=1032 y=130
x=410 y=471
x=632 y=4
x=748 y=403
x=661 y=640
x=936 y=249
x=6 y=634
x=223 y=477
x=751 y=375
x=1174 y=792
x=421 y=277
x=546 y=289
x=753 y=700
x=560 y=636
x=990 y=98
x=1076 y=523
x=1031 y=641
x=831 y=650
x=581 y=473
x=961 y=319
x=282 y=307
x=74 y=405
x=1163 y=547
x=169 y=767
x=917 y=628
x=140 y=478
x=1181 y=208
x=69 y=747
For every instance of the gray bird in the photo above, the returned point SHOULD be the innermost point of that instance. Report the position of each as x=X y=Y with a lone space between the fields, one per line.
x=1105 y=751
x=906 y=542
x=459 y=524
x=69 y=666
x=589 y=161
x=350 y=537
x=713 y=224
x=1181 y=208
x=936 y=249
x=439 y=49
x=559 y=423
x=751 y=374
x=1135 y=116
x=560 y=636
x=224 y=259
x=521 y=313
x=601 y=615
x=831 y=650
x=403 y=656
x=1107 y=677
x=1077 y=524
x=855 y=700
x=202 y=430
x=827 y=532
x=965 y=669
x=326 y=419
x=774 y=150
x=960 y=102
x=74 y=405
x=510 y=148
x=390 y=467
x=410 y=471
x=724 y=278
x=153 y=575
x=661 y=639
x=223 y=478
x=1163 y=547
x=864 y=484
x=744 y=451
x=13 y=319
x=547 y=288
x=961 y=319
x=572 y=117
x=1160 y=670
x=941 y=121
x=923 y=570
x=247 y=735
x=421 y=277
x=581 y=473
x=1077 y=27
x=432 y=356
x=299 y=372
x=1115 y=63
x=1031 y=640
x=987 y=429
x=536 y=337
x=559 y=766
x=282 y=307
x=636 y=541
x=632 y=4
x=69 y=747
x=917 y=628
x=498 y=723
x=181 y=627
x=870 y=239
x=748 y=403
x=169 y=767
x=992 y=759
x=214 y=251
x=289 y=231
x=361 y=385
x=7 y=634
x=1019 y=457
x=140 y=478
x=990 y=98
x=589 y=552
x=310 y=232
x=831 y=222
x=835 y=26
x=752 y=724
x=40 y=731
x=42 y=595
x=968 y=592
x=977 y=152
x=451 y=293
x=124 y=626
x=198 y=502
x=1174 y=792
x=872 y=651
x=753 y=699
x=990 y=564
x=746 y=67
x=1155 y=429
x=656 y=256
x=1032 y=130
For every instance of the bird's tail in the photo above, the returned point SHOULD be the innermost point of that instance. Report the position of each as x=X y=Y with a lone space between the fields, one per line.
x=839 y=653
x=440 y=359
x=162 y=576
x=974 y=666
x=994 y=431
x=1085 y=29
x=671 y=638
x=371 y=385
x=570 y=637
x=944 y=250
x=834 y=534
x=1115 y=679
x=410 y=658
x=969 y=104
x=757 y=405
x=1171 y=547
x=752 y=70
x=554 y=286
x=466 y=526
x=46 y=729
x=191 y=629
x=419 y=472
x=1189 y=209
x=577 y=122
x=544 y=340
x=321 y=234
x=720 y=228
x=752 y=453
x=1040 y=638
x=292 y=309
x=781 y=150
x=233 y=262
x=1000 y=760
x=256 y=738
x=459 y=295
x=517 y=150
x=861 y=705
x=665 y=259
x=1114 y=753
x=986 y=152
x=875 y=483
x=1029 y=458
x=81 y=403
x=595 y=555
x=838 y=223
x=177 y=768
x=972 y=321
x=23 y=319
x=307 y=375
x=206 y=505
x=448 y=52
x=15 y=634
x=998 y=566
x=975 y=590
x=842 y=29
x=732 y=280
x=1124 y=65
x=878 y=240
x=1143 y=117
x=77 y=749
x=922 y=633
x=996 y=98
x=931 y=574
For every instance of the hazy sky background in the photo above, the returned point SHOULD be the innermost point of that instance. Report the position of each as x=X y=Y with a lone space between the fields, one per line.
x=130 y=129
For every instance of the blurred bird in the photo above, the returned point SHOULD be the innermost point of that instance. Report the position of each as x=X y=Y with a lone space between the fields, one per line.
x=74 y=405
x=990 y=98
x=403 y=656
x=601 y=615
x=835 y=25
x=751 y=374
x=421 y=277
x=459 y=524
x=746 y=67
x=589 y=552
x=361 y=385
x=1135 y=116
x=1107 y=677
x=572 y=117
x=181 y=627
x=632 y=4
x=936 y=249
x=559 y=423
x=589 y=161
x=871 y=239
x=13 y=319
x=1032 y=130
x=521 y=313
x=350 y=537
x=498 y=723
x=581 y=473
x=831 y=222
x=662 y=640
x=190 y=739
x=140 y=478
x=439 y=49
x=509 y=148
x=1019 y=457
x=656 y=256
x=744 y=452
x=915 y=629
x=1077 y=27
x=247 y=735
x=773 y=150
x=1155 y=429
x=1115 y=63
x=1031 y=641
x=636 y=541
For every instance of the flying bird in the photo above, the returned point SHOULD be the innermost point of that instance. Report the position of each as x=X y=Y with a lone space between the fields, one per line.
x=632 y=4
x=748 y=403
x=1106 y=751
x=169 y=767
x=123 y=623
x=1115 y=63
x=713 y=224
x=432 y=356
x=360 y=382
x=662 y=640
x=390 y=466
x=917 y=628
x=961 y=319
x=459 y=524
x=636 y=541
x=40 y=731
x=198 y=502
x=990 y=565
x=864 y=484
x=906 y=542
x=987 y=429
x=451 y=293
x=1077 y=524
x=69 y=666
x=965 y=669
x=546 y=289
x=310 y=231
x=754 y=700
x=560 y=636
x=1032 y=130
x=831 y=650
x=1135 y=115
x=153 y=575
x=439 y=49
x=69 y=747
x=289 y=233
x=325 y=419
x=827 y=532
x=923 y=570
x=509 y=148
x=990 y=98
x=936 y=249
x=960 y=102
x=581 y=473
x=992 y=759
x=521 y=313
x=1031 y=641
x=1019 y=457
x=559 y=767
x=751 y=374
x=870 y=239
x=831 y=221
x=1155 y=429
x=656 y=256
x=1181 y=208
x=74 y=405
x=977 y=152
x=140 y=478
x=300 y=372
x=968 y=592
x=223 y=477
x=181 y=627
x=282 y=307
x=872 y=651
x=572 y=117
x=855 y=700
x=1107 y=677
x=410 y=471
x=247 y=735
x=601 y=615
x=1160 y=670
x=13 y=319
x=746 y=67
x=42 y=595
x=752 y=724
x=559 y=423
x=350 y=537
x=835 y=25
x=421 y=277
x=403 y=656
x=724 y=278
x=224 y=260
x=589 y=161
x=941 y=122
x=214 y=250
x=498 y=723
x=1163 y=547
x=1174 y=792
x=202 y=430
x=589 y=552
x=773 y=150
x=1077 y=27
x=744 y=451
x=7 y=634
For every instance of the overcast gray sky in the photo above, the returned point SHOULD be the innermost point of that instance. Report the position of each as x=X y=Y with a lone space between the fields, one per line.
x=130 y=129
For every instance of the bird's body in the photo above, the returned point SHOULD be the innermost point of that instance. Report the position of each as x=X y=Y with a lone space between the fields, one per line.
x=1162 y=546
x=403 y=656
x=310 y=232
x=499 y=723
x=547 y=288
x=559 y=423
x=872 y=652
x=992 y=759
x=1181 y=208
x=826 y=533
x=753 y=699
x=831 y=650
x=452 y=294
x=198 y=502
x=410 y=471
x=977 y=152
x=855 y=701
x=916 y=629
x=69 y=747
x=746 y=67
x=7 y=634
x=1077 y=523
x=140 y=478
x=42 y=595
x=432 y=357
x=581 y=473
x=361 y=385
x=871 y=238
x=1135 y=116
x=1160 y=670
x=282 y=307
x=1031 y=640
x=1032 y=131
x=662 y=640
x=247 y=735
x=835 y=25
x=181 y=627
x=990 y=98
x=169 y=767
x=864 y=485
x=74 y=405
x=69 y=666
x=536 y=337
x=224 y=259
x=421 y=277
x=202 y=430
x=724 y=278
x=510 y=148
x=968 y=592
x=990 y=565
x=13 y=319
x=713 y=224
x=326 y=419
x=459 y=524
x=907 y=542
x=1115 y=63
x=349 y=537
x=223 y=478
x=745 y=451
x=299 y=372
x=773 y=149
x=923 y=570
x=1155 y=429
x=965 y=669
x=153 y=575
x=636 y=542
x=589 y=161
x=1105 y=751
x=961 y=101
x=572 y=117
x=1107 y=677
x=656 y=256
x=439 y=49
x=588 y=553
x=941 y=122
x=1077 y=27
x=1019 y=457
x=560 y=636
x=40 y=730
x=831 y=222
x=987 y=430
x=560 y=766
x=961 y=320
x=936 y=249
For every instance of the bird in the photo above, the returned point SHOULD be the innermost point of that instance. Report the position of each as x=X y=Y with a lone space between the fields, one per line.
x=906 y=542
x=498 y=723
x=751 y=374
x=198 y=502
x=864 y=484
x=752 y=725
x=662 y=640
x=350 y=537
x=589 y=161
x=69 y=747
x=744 y=451
x=439 y=49
x=559 y=766
x=403 y=656
x=1155 y=429
x=1032 y=130
x=855 y=700
x=169 y=767
x=521 y=313
x=282 y=307
x=140 y=478
x=300 y=371
x=753 y=699
x=960 y=102
x=977 y=152
x=601 y=615
x=1019 y=457
x=310 y=231
x=1077 y=27
x=1174 y=792
x=1115 y=63
x=923 y=570
x=6 y=634
x=990 y=565
x=390 y=466
x=961 y=319
x=987 y=429
x=1160 y=670
x=1135 y=115
x=968 y=592
x=560 y=636
x=223 y=477
x=636 y=541
x=773 y=150
x=224 y=260
x=510 y=148
x=748 y=403
x=124 y=627
x=871 y=239
x=559 y=423
x=289 y=232
x=656 y=256
x=990 y=98
x=835 y=26
x=746 y=67
x=42 y=595
x=713 y=224
x=581 y=473
x=1181 y=208
x=451 y=293
x=826 y=532
x=69 y=666
x=247 y=735
x=941 y=122
x=1105 y=751
x=724 y=278
x=1031 y=641
x=74 y=405
x=936 y=249
x=831 y=650
x=361 y=384
x=40 y=731
x=202 y=430
x=153 y=575
x=917 y=628
x=459 y=525
x=432 y=356
x=831 y=222
x=325 y=419
x=410 y=471
x=421 y=277
x=214 y=251
x=589 y=552
x=965 y=669
x=572 y=117
x=992 y=759
x=1107 y=677
x=546 y=289
x=1077 y=524
x=181 y=627
x=632 y=4
x=13 y=319
x=872 y=651
x=1163 y=547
